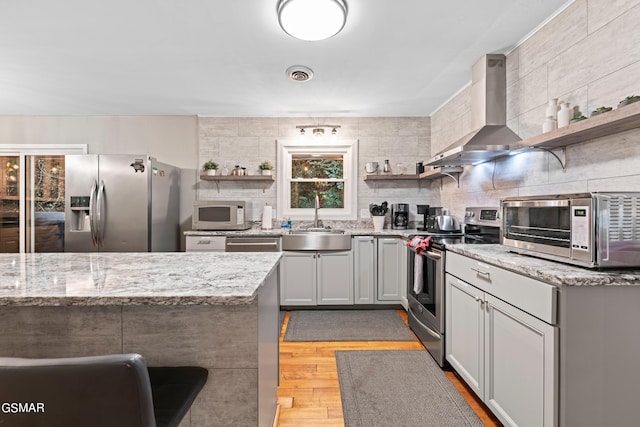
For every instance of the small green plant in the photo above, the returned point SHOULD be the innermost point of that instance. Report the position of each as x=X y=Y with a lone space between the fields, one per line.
x=580 y=117
x=602 y=109
x=632 y=98
x=265 y=166
x=210 y=165
x=378 y=210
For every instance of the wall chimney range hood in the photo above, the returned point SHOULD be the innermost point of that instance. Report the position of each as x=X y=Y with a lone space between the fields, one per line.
x=491 y=137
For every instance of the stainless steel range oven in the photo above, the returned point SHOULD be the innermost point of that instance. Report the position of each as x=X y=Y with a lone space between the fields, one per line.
x=426 y=299
x=425 y=285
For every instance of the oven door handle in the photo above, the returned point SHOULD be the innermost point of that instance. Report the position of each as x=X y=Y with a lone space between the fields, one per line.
x=433 y=256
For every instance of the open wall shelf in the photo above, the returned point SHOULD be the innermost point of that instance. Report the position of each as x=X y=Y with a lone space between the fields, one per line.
x=266 y=179
x=615 y=121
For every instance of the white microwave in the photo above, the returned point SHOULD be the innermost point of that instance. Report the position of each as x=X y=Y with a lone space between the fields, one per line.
x=220 y=215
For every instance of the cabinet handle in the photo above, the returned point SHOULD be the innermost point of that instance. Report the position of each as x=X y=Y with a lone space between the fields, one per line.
x=484 y=273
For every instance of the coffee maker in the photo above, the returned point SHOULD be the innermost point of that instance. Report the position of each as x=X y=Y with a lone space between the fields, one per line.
x=399 y=216
x=429 y=217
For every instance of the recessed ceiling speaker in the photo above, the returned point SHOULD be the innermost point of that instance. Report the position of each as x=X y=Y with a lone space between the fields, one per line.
x=299 y=73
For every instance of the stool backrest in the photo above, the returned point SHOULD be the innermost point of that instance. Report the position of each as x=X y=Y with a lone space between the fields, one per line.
x=112 y=390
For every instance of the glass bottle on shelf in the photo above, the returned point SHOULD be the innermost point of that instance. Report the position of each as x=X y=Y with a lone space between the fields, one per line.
x=387 y=168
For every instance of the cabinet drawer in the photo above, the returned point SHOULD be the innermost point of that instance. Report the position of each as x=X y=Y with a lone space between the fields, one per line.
x=205 y=243
x=532 y=296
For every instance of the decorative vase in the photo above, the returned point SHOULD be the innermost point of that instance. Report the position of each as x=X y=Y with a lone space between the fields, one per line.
x=565 y=114
x=266 y=171
x=549 y=125
x=210 y=172
x=378 y=223
x=552 y=108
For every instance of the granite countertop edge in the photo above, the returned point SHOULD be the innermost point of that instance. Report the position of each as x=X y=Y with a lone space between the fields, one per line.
x=134 y=279
x=279 y=232
x=551 y=272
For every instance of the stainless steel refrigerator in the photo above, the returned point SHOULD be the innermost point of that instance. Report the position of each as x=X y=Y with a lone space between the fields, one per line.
x=121 y=203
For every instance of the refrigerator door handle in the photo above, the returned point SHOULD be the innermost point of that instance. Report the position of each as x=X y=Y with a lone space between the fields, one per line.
x=100 y=214
x=92 y=213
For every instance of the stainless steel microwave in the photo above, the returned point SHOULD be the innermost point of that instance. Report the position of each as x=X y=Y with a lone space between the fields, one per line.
x=595 y=230
x=220 y=215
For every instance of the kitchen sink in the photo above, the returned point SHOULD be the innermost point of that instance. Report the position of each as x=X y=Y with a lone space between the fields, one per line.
x=316 y=239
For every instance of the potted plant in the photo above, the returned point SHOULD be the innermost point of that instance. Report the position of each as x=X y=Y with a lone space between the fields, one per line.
x=265 y=168
x=600 y=110
x=377 y=213
x=210 y=167
x=629 y=100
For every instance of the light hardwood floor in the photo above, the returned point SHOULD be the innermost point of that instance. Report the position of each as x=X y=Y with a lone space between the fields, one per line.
x=309 y=392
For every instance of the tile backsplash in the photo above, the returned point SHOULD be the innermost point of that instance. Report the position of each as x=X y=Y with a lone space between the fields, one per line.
x=250 y=141
x=588 y=55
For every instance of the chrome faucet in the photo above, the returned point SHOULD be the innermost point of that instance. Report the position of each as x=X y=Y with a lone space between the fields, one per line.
x=315 y=218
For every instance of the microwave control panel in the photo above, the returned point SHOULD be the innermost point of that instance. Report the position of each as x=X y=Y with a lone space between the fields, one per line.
x=240 y=215
x=580 y=220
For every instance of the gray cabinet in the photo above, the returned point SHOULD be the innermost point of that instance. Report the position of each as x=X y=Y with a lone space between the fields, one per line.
x=380 y=267
x=392 y=270
x=507 y=356
x=335 y=278
x=316 y=278
x=298 y=286
x=365 y=269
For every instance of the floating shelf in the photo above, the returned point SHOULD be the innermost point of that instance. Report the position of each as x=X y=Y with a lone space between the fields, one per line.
x=266 y=179
x=391 y=177
x=237 y=178
x=609 y=123
x=451 y=172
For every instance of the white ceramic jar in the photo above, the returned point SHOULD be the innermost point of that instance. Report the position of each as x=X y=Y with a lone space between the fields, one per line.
x=564 y=115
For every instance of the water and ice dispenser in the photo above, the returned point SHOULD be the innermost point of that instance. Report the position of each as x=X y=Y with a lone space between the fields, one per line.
x=80 y=213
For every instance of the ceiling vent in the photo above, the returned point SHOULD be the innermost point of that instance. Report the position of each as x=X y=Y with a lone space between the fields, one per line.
x=299 y=73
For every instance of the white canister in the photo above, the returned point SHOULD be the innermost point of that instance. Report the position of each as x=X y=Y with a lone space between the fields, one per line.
x=549 y=125
x=564 y=115
x=552 y=108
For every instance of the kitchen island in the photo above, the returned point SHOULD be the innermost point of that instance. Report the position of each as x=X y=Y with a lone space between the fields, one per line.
x=215 y=310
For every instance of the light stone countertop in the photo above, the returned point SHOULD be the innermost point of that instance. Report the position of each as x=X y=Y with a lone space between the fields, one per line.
x=554 y=273
x=148 y=278
x=278 y=232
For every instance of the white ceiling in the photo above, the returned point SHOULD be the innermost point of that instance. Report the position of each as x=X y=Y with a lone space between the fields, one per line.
x=228 y=58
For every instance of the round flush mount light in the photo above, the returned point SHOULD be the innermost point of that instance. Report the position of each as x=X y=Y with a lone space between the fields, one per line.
x=312 y=20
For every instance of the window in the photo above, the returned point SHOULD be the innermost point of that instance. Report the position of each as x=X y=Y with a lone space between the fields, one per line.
x=326 y=169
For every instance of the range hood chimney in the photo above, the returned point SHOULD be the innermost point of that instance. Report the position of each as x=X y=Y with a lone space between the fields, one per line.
x=491 y=137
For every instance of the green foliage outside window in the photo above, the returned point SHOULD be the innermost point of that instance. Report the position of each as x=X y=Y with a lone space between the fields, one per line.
x=328 y=167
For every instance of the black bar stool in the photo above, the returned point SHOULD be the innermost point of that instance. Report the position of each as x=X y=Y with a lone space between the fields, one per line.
x=113 y=390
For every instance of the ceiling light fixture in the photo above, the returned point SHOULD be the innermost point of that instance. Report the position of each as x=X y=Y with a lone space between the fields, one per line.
x=312 y=20
x=318 y=130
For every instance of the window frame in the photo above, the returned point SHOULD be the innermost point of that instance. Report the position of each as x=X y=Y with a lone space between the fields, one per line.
x=348 y=149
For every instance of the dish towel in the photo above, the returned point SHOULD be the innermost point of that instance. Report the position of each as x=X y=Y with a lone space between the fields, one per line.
x=417 y=274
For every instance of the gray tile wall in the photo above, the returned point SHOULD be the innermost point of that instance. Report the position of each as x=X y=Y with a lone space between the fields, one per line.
x=589 y=55
x=249 y=141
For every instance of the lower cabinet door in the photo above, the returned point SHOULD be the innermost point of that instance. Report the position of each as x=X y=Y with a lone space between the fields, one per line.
x=464 y=325
x=335 y=278
x=392 y=268
x=520 y=369
x=298 y=285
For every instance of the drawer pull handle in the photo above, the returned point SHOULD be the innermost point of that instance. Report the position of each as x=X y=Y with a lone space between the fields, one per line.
x=484 y=273
x=204 y=242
